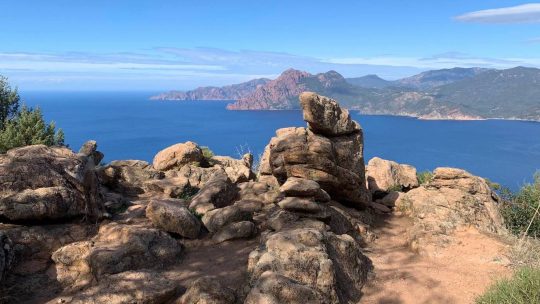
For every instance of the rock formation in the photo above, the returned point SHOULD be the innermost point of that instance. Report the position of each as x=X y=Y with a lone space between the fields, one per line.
x=329 y=151
x=383 y=175
x=39 y=184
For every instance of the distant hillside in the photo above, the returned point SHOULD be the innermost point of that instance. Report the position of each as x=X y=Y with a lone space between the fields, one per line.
x=230 y=92
x=436 y=78
x=370 y=81
x=512 y=93
x=442 y=94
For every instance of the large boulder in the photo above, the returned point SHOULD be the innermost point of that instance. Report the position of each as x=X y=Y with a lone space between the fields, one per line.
x=453 y=198
x=219 y=191
x=238 y=230
x=128 y=176
x=207 y=290
x=40 y=183
x=116 y=248
x=178 y=155
x=307 y=265
x=173 y=217
x=384 y=175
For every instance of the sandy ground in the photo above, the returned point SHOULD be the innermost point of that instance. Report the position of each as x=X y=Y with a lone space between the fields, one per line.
x=453 y=274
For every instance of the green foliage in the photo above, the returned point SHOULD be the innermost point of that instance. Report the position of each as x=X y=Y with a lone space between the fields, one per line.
x=522 y=288
x=494 y=186
x=9 y=102
x=424 y=177
x=518 y=209
x=29 y=128
x=207 y=153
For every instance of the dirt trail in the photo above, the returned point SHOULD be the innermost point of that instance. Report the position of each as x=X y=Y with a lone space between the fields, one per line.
x=454 y=274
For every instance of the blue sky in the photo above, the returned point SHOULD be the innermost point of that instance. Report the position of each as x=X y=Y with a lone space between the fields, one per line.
x=160 y=45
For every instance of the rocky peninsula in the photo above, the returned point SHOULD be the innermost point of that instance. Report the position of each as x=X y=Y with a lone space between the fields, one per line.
x=303 y=226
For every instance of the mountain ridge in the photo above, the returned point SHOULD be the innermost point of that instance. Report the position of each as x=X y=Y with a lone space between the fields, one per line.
x=458 y=93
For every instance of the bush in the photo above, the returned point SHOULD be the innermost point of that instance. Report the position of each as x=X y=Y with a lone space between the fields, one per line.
x=29 y=128
x=518 y=209
x=207 y=153
x=522 y=288
x=424 y=177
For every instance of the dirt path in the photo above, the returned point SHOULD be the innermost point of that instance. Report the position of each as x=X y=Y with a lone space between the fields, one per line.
x=454 y=274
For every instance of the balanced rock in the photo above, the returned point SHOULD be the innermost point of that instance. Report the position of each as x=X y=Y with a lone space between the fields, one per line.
x=329 y=152
x=116 y=248
x=383 y=175
x=173 y=217
x=178 y=155
x=325 y=116
x=40 y=183
x=207 y=290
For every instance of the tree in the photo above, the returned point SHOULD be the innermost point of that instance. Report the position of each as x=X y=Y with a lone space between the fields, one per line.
x=9 y=102
x=29 y=128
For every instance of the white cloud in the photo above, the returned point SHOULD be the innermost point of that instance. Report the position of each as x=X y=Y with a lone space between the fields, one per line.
x=442 y=61
x=525 y=13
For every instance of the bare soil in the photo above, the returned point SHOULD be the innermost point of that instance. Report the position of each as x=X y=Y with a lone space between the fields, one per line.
x=455 y=273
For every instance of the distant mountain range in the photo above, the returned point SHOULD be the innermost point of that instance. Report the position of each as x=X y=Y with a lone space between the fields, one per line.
x=458 y=93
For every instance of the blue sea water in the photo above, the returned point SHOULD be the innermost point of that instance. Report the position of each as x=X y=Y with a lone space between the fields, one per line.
x=127 y=125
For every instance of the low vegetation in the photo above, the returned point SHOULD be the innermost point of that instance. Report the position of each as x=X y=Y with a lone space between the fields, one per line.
x=521 y=209
x=424 y=177
x=207 y=153
x=522 y=288
x=23 y=126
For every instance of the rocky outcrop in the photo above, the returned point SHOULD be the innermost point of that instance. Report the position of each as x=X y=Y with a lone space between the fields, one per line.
x=385 y=175
x=39 y=183
x=116 y=248
x=173 y=216
x=453 y=198
x=128 y=176
x=307 y=265
x=333 y=158
x=207 y=290
x=176 y=156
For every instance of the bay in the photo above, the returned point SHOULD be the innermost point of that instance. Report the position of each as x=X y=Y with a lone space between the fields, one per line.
x=127 y=125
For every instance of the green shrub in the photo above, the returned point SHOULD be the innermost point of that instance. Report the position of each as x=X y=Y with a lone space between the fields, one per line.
x=424 y=177
x=207 y=153
x=522 y=288
x=397 y=188
x=188 y=192
x=518 y=209
x=29 y=128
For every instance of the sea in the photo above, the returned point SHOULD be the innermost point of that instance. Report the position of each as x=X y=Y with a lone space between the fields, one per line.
x=127 y=125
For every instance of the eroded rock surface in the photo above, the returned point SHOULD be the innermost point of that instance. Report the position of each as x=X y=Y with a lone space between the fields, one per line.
x=40 y=183
x=207 y=290
x=454 y=198
x=178 y=155
x=115 y=249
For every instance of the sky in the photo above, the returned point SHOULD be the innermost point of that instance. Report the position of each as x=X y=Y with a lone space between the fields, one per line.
x=162 y=45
